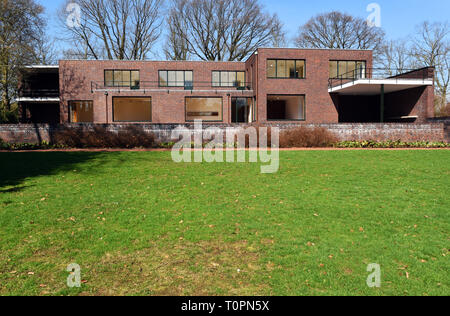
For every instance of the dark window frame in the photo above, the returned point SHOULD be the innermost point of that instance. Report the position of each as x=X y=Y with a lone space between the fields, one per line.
x=171 y=70
x=346 y=61
x=295 y=66
x=288 y=95
x=201 y=97
x=133 y=97
x=69 y=103
x=243 y=84
x=131 y=85
x=253 y=106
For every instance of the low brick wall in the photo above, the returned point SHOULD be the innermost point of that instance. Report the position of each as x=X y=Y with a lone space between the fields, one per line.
x=29 y=133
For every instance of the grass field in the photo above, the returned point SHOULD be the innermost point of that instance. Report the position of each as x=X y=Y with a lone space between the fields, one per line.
x=139 y=224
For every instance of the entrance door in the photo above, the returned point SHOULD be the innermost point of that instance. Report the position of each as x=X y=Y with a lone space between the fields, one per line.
x=241 y=110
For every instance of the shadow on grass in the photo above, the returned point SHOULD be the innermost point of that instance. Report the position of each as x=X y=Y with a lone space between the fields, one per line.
x=16 y=167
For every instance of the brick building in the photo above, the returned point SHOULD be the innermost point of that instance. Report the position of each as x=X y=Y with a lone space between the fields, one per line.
x=277 y=85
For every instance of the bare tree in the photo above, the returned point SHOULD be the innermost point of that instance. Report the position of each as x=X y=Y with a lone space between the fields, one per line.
x=279 y=36
x=46 y=52
x=394 y=56
x=220 y=29
x=431 y=47
x=21 y=31
x=336 y=30
x=176 y=46
x=114 y=29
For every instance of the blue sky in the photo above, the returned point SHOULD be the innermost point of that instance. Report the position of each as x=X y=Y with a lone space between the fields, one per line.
x=398 y=17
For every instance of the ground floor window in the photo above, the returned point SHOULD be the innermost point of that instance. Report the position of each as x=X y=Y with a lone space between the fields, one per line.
x=286 y=107
x=206 y=109
x=242 y=110
x=132 y=109
x=81 y=111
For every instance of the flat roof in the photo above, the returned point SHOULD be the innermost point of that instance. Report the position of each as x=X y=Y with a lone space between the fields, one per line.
x=373 y=86
x=336 y=49
x=157 y=61
x=38 y=100
x=42 y=67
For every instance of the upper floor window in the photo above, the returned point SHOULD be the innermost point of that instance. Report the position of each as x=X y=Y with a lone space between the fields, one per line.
x=122 y=78
x=343 y=69
x=285 y=69
x=169 y=78
x=228 y=78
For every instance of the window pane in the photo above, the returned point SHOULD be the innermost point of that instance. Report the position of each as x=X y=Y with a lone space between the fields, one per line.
x=333 y=69
x=189 y=76
x=206 y=109
x=361 y=67
x=224 y=82
x=300 y=69
x=117 y=78
x=241 y=79
x=291 y=71
x=172 y=79
x=135 y=79
x=163 y=78
x=351 y=67
x=81 y=112
x=271 y=68
x=216 y=79
x=126 y=79
x=281 y=69
x=232 y=79
x=241 y=110
x=342 y=69
x=132 y=109
x=180 y=79
x=302 y=109
x=109 y=78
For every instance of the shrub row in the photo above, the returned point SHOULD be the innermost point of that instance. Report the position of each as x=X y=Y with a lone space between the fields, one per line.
x=28 y=146
x=100 y=137
x=390 y=144
x=302 y=137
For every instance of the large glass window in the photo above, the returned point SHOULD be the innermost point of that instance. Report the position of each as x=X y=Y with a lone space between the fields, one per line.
x=228 y=79
x=286 y=107
x=132 y=109
x=242 y=110
x=285 y=69
x=343 y=69
x=175 y=78
x=206 y=109
x=122 y=78
x=81 y=111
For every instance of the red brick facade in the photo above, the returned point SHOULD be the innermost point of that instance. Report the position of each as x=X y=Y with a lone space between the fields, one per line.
x=168 y=104
x=82 y=80
x=319 y=104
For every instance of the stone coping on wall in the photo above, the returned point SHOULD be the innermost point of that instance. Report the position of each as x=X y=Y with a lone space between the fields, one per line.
x=34 y=133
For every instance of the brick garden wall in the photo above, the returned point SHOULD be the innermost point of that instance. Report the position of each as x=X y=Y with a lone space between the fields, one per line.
x=405 y=132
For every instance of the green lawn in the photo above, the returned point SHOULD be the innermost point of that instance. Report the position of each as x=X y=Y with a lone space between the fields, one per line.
x=139 y=224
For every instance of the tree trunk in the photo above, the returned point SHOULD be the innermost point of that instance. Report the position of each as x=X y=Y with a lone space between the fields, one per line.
x=6 y=101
